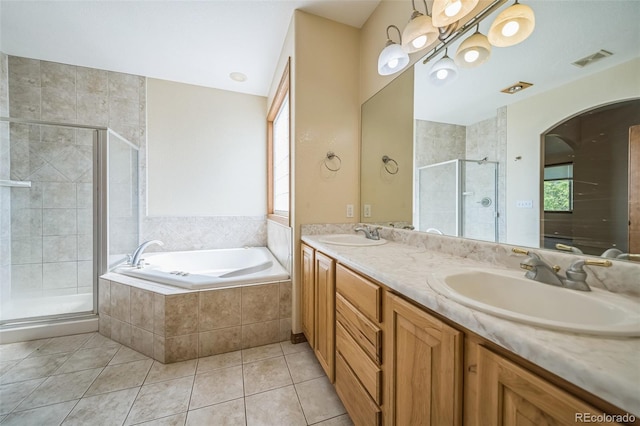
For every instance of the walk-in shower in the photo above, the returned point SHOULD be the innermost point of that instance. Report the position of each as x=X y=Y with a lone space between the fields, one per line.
x=459 y=198
x=68 y=197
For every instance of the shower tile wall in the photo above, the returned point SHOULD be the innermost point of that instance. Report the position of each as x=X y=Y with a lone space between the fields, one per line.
x=51 y=240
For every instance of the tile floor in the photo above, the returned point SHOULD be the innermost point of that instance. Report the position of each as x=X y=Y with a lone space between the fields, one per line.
x=88 y=379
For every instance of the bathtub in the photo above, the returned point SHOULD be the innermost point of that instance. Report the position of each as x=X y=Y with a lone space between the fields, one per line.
x=205 y=269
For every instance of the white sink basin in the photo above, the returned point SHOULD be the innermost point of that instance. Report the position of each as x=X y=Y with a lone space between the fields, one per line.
x=351 y=240
x=510 y=295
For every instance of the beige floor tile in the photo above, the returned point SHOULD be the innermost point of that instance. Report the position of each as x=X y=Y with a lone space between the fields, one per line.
x=107 y=409
x=7 y=365
x=229 y=413
x=217 y=386
x=126 y=354
x=49 y=415
x=97 y=340
x=20 y=350
x=175 y=420
x=343 y=420
x=304 y=366
x=261 y=352
x=290 y=348
x=34 y=368
x=275 y=407
x=121 y=376
x=62 y=344
x=319 y=400
x=64 y=387
x=264 y=375
x=215 y=362
x=85 y=359
x=12 y=394
x=160 y=372
x=160 y=400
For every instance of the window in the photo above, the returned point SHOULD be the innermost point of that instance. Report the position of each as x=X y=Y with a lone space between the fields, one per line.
x=558 y=188
x=278 y=128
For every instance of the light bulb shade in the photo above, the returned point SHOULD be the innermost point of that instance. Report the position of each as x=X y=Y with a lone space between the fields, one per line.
x=419 y=34
x=443 y=71
x=392 y=59
x=474 y=51
x=518 y=16
x=443 y=11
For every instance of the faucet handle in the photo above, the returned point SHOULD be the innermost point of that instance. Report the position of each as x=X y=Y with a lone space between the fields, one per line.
x=525 y=252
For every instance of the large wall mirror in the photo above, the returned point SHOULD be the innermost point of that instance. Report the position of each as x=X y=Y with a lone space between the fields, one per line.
x=549 y=166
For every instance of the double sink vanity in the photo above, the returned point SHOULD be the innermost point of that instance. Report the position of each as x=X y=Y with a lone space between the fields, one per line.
x=412 y=331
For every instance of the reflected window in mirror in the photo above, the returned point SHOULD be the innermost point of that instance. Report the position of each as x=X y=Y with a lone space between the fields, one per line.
x=558 y=188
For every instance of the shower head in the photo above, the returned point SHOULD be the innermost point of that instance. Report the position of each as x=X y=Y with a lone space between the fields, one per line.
x=484 y=160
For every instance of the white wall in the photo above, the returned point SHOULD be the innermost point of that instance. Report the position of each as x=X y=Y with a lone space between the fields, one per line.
x=528 y=119
x=206 y=151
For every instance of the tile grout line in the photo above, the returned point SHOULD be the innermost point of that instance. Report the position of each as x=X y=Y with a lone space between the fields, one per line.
x=139 y=390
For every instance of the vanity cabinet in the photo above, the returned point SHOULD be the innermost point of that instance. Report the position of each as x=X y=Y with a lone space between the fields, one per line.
x=423 y=367
x=307 y=293
x=359 y=346
x=509 y=395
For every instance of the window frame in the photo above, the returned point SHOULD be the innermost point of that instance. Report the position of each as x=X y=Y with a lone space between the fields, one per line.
x=282 y=93
x=570 y=180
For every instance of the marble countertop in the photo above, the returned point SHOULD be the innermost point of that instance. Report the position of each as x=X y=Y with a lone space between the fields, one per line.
x=606 y=367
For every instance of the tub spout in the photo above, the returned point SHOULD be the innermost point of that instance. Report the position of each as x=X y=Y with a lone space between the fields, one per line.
x=135 y=256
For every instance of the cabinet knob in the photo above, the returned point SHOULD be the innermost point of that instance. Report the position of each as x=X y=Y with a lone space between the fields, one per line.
x=472 y=368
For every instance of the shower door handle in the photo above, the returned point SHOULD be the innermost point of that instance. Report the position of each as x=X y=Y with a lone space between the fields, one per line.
x=16 y=183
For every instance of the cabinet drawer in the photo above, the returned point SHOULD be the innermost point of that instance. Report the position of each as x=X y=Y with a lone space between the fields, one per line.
x=360 y=292
x=361 y=408
x=365 y=370
x=367 y=334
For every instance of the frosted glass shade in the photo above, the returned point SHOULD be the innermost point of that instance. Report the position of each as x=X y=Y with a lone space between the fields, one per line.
x=446 y=12
x=474 y=51
x=392 y=59
x=512 y=26
x=419 y=34
x=443 y=71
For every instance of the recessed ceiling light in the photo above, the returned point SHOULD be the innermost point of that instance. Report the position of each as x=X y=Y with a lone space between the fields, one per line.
x=515 y=88
x=238 y=76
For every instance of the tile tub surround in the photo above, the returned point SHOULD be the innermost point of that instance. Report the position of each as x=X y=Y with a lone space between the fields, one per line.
x=170 y=324
x=88 y=379
x=606 y=367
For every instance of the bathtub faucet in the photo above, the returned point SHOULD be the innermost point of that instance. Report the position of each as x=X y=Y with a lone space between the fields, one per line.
x=134 y=258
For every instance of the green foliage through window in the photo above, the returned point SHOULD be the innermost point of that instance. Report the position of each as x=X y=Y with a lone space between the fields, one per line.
x=557 y=195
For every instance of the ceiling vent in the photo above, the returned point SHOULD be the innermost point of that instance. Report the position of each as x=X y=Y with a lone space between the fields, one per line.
x=515 y=88
x=581 y=63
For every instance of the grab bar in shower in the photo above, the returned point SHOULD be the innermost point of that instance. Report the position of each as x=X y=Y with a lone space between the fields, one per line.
x=16 y=183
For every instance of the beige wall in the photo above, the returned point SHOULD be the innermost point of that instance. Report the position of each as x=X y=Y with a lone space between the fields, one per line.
x=206 y=151
x=528 y=119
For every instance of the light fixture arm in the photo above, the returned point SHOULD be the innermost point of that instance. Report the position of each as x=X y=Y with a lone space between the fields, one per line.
x=389 y=37
x=416 y=12
x=464 y=29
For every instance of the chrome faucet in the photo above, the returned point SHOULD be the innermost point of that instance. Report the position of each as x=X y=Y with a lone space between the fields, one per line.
x=369 y=232
x=576 y=276
x=134 y=258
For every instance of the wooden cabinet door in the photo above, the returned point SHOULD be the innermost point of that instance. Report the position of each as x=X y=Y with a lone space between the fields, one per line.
x=423 y=367
x=308 y=296
x=325 y=313
x=509 y=395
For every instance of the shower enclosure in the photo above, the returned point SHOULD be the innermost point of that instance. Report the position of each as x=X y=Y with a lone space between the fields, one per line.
x=68 y=199
x=459 y=198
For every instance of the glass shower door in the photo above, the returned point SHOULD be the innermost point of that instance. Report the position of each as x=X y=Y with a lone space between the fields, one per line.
x=47 y=220
x=479 y=190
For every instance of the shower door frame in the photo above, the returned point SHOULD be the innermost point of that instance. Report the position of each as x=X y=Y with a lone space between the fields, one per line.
x=100 y=225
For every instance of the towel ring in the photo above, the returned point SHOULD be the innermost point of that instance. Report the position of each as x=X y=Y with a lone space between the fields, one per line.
x=330 y=157
x=390 y=165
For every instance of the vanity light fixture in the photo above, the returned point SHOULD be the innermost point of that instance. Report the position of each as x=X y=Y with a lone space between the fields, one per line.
x=443 y=71
x=512 y=26
x=474 y=51
x=447 y=12
x=392 y=58
x=419 y=32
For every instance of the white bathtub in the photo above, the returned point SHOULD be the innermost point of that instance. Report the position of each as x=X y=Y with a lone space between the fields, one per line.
x=203 y=269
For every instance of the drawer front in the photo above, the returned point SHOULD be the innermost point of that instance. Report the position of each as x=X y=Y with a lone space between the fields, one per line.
x=360 y=292
x=369 y=374
x=361 y=408
x=366 y=333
